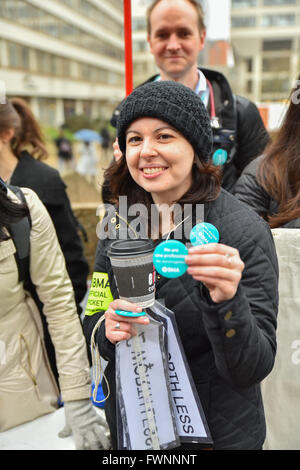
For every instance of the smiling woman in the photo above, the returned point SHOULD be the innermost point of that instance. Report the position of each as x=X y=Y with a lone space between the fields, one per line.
x=225 y=303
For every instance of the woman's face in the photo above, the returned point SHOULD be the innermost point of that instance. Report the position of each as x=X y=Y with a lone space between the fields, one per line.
x=159 y=159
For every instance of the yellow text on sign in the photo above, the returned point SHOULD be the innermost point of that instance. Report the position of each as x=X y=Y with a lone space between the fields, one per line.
x=100 y=295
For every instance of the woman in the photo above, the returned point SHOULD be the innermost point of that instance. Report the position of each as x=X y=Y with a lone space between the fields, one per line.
x=226 y=303
x=27 y=384
x=271 y=183
x=21 y=150
x=19 y=134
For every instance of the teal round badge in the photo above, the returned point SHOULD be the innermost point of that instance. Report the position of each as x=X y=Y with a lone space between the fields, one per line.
x=125 y=313
x=204 y=233
x=219 y=158
x=168 y=258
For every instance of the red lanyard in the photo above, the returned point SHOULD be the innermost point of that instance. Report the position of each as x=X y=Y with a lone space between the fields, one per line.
x=212 y=100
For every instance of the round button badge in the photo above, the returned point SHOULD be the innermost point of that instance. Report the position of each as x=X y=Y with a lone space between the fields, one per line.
x=219 y=158
x=168 y=258
x=204 y=233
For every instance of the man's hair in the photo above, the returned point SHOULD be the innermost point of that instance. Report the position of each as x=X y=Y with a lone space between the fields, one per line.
x=196 y=5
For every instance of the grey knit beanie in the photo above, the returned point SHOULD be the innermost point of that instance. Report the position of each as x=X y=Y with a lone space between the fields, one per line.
x=173 y=103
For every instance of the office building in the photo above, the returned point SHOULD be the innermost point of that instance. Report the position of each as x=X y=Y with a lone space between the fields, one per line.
x=65 y=57
x=265 y=37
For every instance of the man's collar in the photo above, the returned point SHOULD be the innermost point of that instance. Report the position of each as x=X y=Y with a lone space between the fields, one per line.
x=201 y=84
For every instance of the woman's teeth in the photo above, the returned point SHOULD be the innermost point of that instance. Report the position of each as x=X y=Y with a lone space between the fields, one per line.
x=149 y=171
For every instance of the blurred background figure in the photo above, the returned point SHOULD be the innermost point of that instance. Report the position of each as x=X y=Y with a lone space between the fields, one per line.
x=21 y=149
x=28 y=387
x=271 y=183
x=105 y=144
x=64 y=152
x=88 y=163
x=271 y=186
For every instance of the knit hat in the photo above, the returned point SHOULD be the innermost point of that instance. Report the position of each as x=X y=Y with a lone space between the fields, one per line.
x=173 y=103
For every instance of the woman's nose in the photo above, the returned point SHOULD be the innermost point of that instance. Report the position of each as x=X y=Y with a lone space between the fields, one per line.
x=148 y=149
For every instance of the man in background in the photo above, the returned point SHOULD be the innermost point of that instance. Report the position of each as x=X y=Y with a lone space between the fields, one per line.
x=176 y=34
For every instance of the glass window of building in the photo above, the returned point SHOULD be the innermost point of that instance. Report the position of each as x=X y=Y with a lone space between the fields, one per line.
x=243 y=3
x=276 y=85
x=276 y=64
x=138 y=24
x=69 y=108
x=41 y=21
x=243 y=21
x=288 y=19
x=249 y=86
x=18 y=56
x=279 y=2
x=47 y=111
x=277 y=45
x=249 y=64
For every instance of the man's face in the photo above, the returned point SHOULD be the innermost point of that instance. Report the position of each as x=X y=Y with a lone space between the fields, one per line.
x=175 y=39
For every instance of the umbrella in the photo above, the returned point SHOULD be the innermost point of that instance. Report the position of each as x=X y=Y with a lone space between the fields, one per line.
x=128 y=47
x=88 y=135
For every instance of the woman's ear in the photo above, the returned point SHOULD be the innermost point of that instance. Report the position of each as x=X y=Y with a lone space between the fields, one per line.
x=7 y=135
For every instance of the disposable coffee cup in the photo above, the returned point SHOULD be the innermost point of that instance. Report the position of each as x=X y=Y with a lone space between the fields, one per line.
x=132 y=264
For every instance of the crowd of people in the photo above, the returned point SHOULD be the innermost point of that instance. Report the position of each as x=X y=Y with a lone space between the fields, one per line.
x=226 y=303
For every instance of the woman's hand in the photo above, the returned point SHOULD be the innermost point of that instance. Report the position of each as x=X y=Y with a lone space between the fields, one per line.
x=219 y=267
x=119 y=328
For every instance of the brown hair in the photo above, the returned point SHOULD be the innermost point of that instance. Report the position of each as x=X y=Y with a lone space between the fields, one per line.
x=206 y=184
x=279 y=171
x=16 y=114
x=196 y=5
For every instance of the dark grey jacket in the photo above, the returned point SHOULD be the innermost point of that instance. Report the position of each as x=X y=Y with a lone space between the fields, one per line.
x=249 y=191
x=230 y=346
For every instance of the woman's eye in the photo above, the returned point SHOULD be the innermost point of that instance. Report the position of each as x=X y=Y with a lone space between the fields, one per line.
x=165 y=136
x=134 y=139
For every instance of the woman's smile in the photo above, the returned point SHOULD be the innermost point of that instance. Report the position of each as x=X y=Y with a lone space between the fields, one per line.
x=153 y=172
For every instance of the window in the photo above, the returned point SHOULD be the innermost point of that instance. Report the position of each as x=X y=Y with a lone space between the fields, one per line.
x=276 y=64
x=279 y=2
x=138 y=24
x=243 y=21
x=18 y=56
x=243 y=3
x=249 y=86
x=279 y=45
x=279 y=20
x=278 y=85
x=69 y=108
x=41 y=21
x=47 y=111
x=249 y=65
